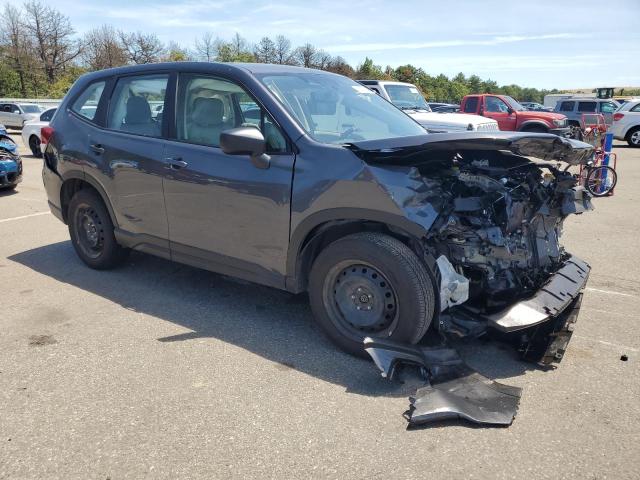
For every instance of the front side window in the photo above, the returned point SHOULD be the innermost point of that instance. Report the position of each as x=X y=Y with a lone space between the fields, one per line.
x=589 y=107
x=133 y=99
x=513 y=103
x=495 y=105
x=335 y=110
x=86 y=104
x=567 y=106
x=207 y=106
x=471 y=105
x=406 y=97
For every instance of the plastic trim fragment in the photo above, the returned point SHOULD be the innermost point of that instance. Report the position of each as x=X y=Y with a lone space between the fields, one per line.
x=453 y=389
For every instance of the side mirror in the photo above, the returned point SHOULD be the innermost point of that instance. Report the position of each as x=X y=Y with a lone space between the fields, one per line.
x=510 y=110
x=246 y=141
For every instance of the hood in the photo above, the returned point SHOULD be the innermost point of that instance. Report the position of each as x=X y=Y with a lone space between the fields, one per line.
x=542 y=115
x=423 y=149
x=461 y=120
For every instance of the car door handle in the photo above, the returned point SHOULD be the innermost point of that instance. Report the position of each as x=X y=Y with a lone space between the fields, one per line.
x=97 y=148
x=175 y=163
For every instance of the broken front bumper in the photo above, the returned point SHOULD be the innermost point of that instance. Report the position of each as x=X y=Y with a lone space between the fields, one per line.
x=545 y=321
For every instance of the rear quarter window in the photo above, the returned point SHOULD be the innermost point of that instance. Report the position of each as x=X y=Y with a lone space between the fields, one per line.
x=86 y=105
x=636 y=108
x=567 y=106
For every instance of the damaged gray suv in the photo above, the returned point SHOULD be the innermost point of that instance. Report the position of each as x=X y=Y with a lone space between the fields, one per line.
x=307 y=181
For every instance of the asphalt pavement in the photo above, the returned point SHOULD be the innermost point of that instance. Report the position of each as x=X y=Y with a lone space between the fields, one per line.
x=159 y=370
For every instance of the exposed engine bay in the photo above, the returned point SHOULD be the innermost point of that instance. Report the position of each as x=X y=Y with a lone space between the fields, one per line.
x=500 y=221
x=493 y=208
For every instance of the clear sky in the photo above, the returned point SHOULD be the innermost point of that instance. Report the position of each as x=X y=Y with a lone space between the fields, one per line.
x=535 y=43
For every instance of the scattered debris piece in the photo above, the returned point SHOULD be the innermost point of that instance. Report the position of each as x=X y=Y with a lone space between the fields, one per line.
x=624 y=358
x=452 y=389
x=41 y=340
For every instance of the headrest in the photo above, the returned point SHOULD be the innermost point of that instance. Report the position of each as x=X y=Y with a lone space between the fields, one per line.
x=207 y=111
x=138 y=111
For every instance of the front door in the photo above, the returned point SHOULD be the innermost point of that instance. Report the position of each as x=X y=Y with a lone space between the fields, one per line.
x=497 y=109
x=132 y=153
x=224 y=213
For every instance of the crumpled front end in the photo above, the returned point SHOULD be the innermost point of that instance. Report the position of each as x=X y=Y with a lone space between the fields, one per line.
x=10 y=162
x=493 y=219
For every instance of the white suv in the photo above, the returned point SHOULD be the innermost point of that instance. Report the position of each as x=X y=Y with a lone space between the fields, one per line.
x=407 y=98
x=15 y=114
x=626 y=123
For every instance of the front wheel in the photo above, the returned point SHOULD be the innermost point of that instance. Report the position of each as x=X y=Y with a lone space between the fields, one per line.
x=371 y=285
x=633 y=138
x=601 y=180
x=91 y=231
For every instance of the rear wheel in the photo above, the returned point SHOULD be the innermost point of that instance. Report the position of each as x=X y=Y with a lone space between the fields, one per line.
x=371 y=285
x=91 y=231
x=633 y=137
x=601 y=180
x=34 y=145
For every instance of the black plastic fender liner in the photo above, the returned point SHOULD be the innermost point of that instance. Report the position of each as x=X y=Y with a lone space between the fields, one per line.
x=452 y=389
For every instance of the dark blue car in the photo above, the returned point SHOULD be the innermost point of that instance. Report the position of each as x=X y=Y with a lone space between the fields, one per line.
x=10 y=163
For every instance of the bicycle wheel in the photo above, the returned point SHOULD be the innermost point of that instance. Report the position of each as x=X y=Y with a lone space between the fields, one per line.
x=601 y=180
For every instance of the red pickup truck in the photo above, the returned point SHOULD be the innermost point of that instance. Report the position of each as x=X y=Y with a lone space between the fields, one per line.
x=512 y=116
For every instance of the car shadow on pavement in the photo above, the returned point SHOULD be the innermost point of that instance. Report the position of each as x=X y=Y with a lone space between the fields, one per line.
x=268 y=322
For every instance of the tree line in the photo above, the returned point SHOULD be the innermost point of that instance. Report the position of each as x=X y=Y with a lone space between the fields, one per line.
x=41 y=56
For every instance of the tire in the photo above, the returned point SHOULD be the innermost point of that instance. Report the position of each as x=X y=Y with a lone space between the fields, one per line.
x=8 y=188
x=633 y=137
x=91 y=231
x=386 y=291
x=34 y=145
x=594 y=184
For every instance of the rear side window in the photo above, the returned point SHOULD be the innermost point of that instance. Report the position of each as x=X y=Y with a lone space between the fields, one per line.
x=46 y=116
x=137 y=105
x=86 y=104
x=636 y=108
x=471 y=105
x=589 y=107
x=567 y=106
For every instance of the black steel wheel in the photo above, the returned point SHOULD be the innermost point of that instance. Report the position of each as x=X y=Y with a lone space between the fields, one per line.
x=91 y=231
x=371 y=285
x=34 y=145
x=601 y=180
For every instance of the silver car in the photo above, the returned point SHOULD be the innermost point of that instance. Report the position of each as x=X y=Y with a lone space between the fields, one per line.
x=16 y=114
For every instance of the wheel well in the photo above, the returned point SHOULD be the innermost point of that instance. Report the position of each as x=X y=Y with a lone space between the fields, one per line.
x=326 y=233
x=69 y=189
x=533 y=127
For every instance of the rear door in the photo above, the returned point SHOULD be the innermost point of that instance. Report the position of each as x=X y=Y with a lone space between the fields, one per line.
x=129 y=152
x=497 y=109
x=224 y=213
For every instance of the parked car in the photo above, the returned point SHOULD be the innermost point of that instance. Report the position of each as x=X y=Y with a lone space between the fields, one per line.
x=535 y=107
x=511 y=116
x=574 y=108
x=407 y=97
x=16 y=114
x=321 y=186
x=31 y=131
x=626 y=123
x=444 y=107
x=10 y=162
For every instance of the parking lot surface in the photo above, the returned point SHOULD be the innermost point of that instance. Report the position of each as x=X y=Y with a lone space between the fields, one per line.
x=158 y=370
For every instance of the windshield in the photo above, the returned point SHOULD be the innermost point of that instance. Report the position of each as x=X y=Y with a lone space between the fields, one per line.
x=406 y=97
x=513 y=103
x=333 y=109
x=30 y=109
